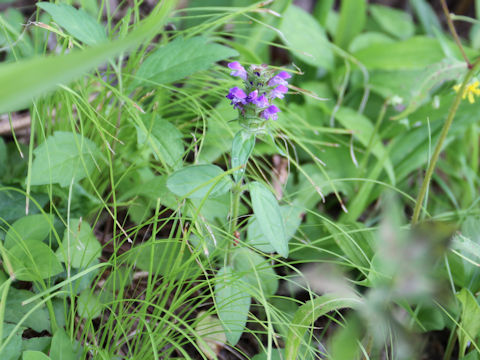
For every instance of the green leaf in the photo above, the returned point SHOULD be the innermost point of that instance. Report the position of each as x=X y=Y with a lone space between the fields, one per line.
x=308 y=313
x=353 y=15
x=291 y=218
x=63 y=348
x=257 y=271
x=469 y=327
x=80 y=247
x=30 y=78
x=180 y=58
x=77 y=22
x=394 y=22
x=37 y=343
x=232 y=304
x=268 y=213
x=38 y=320
x=63 y=158
x=165 y=140
x=429 y=79
x=29 y=228
x=211 y=336
x=242 y=147
x=427 y=16
x=13 y=204
x=415 y=53
x=89 y=306
x=33 y=260
x=34 y=355
x=313 y=49
x=13 y=348
x=166 y=257
x=196 y=181
x=363 y=130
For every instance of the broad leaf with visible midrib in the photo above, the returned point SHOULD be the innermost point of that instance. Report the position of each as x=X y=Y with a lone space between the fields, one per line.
x=232 y=303
x=197 y=181
x=269 y=216
x=77 y=23
x=63 y=157
x=180 y=58
x=31 y=227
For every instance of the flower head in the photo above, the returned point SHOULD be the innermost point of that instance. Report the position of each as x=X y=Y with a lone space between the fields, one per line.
x=270 y=113
x=469 y=91
x=237 y=96
x=238 y=70
x=279 y=79
x=261 y=85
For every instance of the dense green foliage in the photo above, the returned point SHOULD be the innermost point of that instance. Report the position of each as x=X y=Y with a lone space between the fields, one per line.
x=142 y=216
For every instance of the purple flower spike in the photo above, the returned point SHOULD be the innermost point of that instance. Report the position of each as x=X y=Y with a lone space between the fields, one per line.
x=237 y=96
x=278 y=92
x=238 y=70
x=279 y=79
x=270 y=113
x=261 y=101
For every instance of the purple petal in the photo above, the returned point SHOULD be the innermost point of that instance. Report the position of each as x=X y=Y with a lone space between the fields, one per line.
x=261 y=101
x=252 y=96
x=284 y=75
x=235 y=66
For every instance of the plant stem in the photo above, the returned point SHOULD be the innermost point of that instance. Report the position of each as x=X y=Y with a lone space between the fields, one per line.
x=454 y=32
x=438 y=148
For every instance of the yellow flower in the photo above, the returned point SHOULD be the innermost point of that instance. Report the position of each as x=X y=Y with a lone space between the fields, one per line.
x=470 y=90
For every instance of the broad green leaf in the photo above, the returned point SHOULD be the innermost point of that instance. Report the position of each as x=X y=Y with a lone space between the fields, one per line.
x=12 y=349
x=395 y=22
x=363 y=130
x=63 y=158
x=30 y=78
x=426 y=15
x=63 y=347
x=256 y=270
x=76 y=22
x=232 y=304
x=353 y=14
x=242 y=147
x=308 y=313
x=38 y=320
x=196 y=181
x=313 y=49
x=356 y=245
x=430 y=78
x=322 y=10
x=166 y=257
x=37 y=343
x=180 y=58
x=33 y=260
x=79 y=247
x=211 y=333
x=165 y=141
x=469 y=327
x=417 y=52
x=367 y=39
x=268 y=214
x=89 y=306
x=13 y=204
x=291 y=218
x=29 y=228
x=34 y=355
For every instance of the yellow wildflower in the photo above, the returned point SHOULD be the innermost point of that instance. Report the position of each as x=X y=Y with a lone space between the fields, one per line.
x=469 y=90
